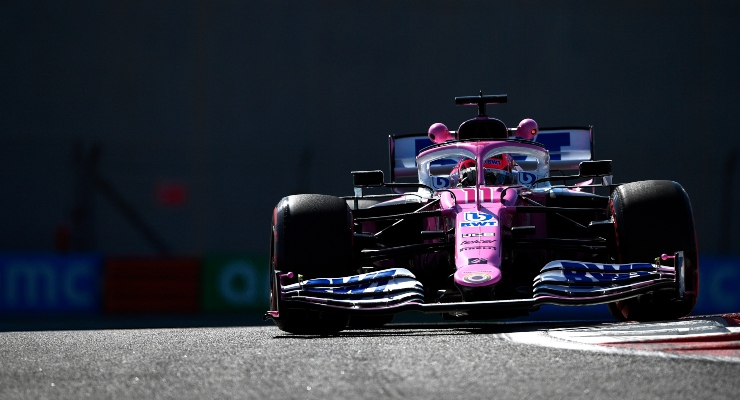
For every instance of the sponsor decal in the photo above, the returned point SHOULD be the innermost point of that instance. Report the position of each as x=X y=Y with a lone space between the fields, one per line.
x=465 y=235
x=607 y=267
x=50 y=283
x=477 y=241
x=474 y=261
x=473 y=224
x=477 y=277
x=477 y=248
x=440 y=182
x=526 y=178
x=478 y=216
x=593 y=277
x=478 y=219
x=234 y=282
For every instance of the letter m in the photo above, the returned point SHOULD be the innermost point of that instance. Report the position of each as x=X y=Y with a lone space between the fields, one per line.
x=30 y=285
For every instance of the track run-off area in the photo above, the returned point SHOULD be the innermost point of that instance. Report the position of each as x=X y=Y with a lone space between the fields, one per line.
x=708 y=338
x=696 y=357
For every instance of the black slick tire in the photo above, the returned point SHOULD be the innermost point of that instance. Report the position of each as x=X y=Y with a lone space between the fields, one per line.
x=312 y=237
x=653 y=218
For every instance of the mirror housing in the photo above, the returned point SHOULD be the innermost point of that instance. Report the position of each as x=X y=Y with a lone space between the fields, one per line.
x=367 y=178
x=595 y=168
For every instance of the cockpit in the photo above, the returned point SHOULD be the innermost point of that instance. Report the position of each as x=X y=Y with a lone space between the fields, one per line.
x=455 y=164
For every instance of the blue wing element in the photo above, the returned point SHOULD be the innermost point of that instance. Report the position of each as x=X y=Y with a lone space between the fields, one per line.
x=376 y=289
x=581 y=279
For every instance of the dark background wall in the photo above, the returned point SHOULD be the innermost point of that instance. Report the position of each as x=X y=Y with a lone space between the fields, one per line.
x=230 y=105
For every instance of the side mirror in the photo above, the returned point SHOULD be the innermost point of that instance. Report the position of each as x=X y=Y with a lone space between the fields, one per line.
x=595 y=168
x=367 y=178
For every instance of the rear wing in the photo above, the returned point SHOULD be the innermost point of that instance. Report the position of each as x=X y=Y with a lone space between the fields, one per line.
x=567 y=146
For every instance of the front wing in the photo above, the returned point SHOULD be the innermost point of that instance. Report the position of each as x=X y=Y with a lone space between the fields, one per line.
x=566 y=283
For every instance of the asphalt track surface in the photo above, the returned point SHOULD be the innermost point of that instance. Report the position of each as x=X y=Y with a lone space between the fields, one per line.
x=410 y=361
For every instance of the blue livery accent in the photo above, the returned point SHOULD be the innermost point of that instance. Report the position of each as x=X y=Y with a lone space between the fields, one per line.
x=348 y=280
x=472 y=224
x=422 y=143
x=591 y=277
x=594 y=267
x=567 y=279
x=554 y=142
x=376 y=289
x=425 y=142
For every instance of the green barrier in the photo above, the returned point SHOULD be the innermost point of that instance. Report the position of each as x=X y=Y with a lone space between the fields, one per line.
x=235 y=283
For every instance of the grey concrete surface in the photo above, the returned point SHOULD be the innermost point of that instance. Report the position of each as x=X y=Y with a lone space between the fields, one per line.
x=261 y=363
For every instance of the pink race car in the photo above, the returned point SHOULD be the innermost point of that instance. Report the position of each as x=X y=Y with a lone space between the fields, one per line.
x=483 y=223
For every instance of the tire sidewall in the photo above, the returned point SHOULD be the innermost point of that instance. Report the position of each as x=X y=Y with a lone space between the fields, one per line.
x=653 y=218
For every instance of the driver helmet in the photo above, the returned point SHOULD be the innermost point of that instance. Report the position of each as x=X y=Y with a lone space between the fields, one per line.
x=497 y=171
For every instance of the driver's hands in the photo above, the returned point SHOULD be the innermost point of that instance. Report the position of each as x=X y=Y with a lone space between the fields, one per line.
x=468 y=176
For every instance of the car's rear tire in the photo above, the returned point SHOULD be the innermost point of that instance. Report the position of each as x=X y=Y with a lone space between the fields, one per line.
x=653 y=218
x=311 y=237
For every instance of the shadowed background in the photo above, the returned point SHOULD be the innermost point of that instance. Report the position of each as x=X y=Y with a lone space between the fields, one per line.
x=139 y=128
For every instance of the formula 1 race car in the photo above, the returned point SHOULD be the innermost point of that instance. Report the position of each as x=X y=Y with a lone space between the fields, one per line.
x=491 y=226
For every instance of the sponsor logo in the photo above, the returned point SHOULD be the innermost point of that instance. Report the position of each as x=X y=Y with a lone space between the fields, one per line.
x=478 y=219
x=477 y=241
x=587 y=272
x=49 y=283
x=440 y=182
x=478 y=216
x=465 y=235
x=477 y=277
x=607 y=267
x=478 y=248
x=492 y=162
x=472 y=224
x=526 y=178
x=474 y=261
x=237 y=283
x=593 y=277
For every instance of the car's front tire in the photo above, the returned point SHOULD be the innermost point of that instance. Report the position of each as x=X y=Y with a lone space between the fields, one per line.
x=311 y=237
x=653 y=218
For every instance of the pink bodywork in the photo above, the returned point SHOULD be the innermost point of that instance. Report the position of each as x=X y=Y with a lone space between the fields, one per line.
x=438 y=133
x=527 y=129
x=478 y=214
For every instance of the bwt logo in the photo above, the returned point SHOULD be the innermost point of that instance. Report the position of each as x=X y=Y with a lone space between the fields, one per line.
x=477 y=216
x=478 y=219
x=526 y=178
x=440 y=182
